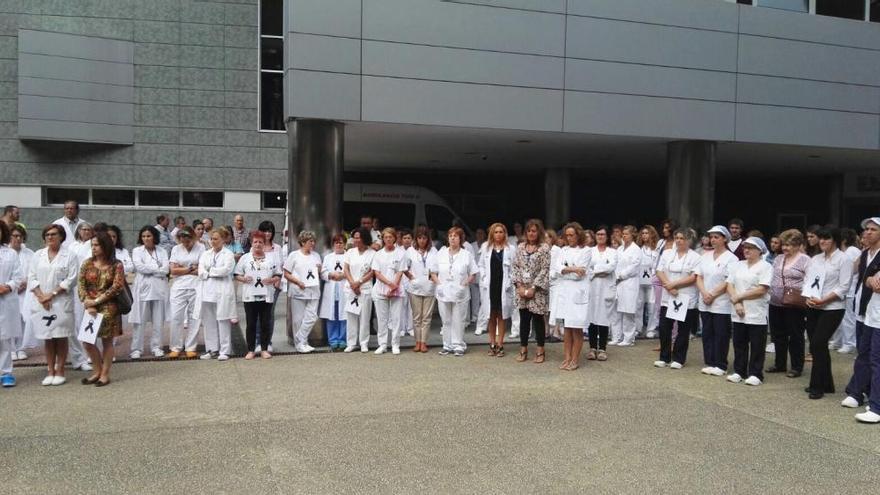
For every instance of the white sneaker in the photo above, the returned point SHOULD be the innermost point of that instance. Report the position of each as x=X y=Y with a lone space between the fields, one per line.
x=651 y=335
x=716 y=372
x=868 y=417
x=258 y=349
x=771 y=348
x=380 y=350
x=847 y=349
x=676 y=365
x=850 y=402
x=135 y=355
x=84 y=367
x=707 y=370
x=348 y=348
x=309 y=348
x=206 y=355
x=753 y=381
x=303 y=349
x=47 y=381
x=514 y=336
x=158 y=353
x=660 y=364
x=365 y=349
x=626 y=344
x=832 y=346
x=395 y=350
x=58 y=380
x=222 y=357
x=479 y=331
x=22 y=356
x=734 y=378
x=611 y=342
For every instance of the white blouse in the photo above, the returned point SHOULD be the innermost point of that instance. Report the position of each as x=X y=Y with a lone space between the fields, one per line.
x=420 y=265
x=389 y=264
x=744 y=278
x=714 y=272
x=677 y=267
x=453 y=272
x=359 y=264
x=258 y=271
x=185 y=259
x=307 y=269
x=837 y=273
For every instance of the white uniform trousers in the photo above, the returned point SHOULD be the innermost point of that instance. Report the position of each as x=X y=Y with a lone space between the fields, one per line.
x=388 y=320
x=406 y=316
x=615 y=328
x=182 y=305
x=482 y=319
x=626 y=325
x=153 y=312
x=76 y=354
x=6 y=348
x=218 y=334
x=357 y=327
x=304 y=314
x=452 y=316
x=646 y=303
x=846 y=332
x=514 y=324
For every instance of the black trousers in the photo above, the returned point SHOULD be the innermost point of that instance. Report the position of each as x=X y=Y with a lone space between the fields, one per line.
x=598 y=336
x=787 y=333
x=678 y=350
x=716 y=339
x=749 y=348
x=258 y=315
x=821 y=325
x=528 y=321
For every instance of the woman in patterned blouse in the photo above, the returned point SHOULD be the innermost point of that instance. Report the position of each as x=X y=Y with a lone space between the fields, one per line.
x=531 y=277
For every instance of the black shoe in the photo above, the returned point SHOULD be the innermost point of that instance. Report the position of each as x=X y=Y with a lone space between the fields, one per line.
x=816 y=395
x=794 y=374
x=774 y=369
x=808 y=390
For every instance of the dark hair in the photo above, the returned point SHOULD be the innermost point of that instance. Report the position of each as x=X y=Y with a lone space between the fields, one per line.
x=366 y=235
x=673 y=226
x=161 y=217
x=107 y=247
x=832 y=233
x=100 y=227
x=186 y=231
x=5 y=233
x=736 y=221
x=9 y=209
x=538 y=224
x=197 y=222
x=61 y=232
x=405 y=231
x=422 y=231
x=152 y=230
x=21 y=230
x=267 y=226
x=849 y=237
x=118 y=233
x=75 y=203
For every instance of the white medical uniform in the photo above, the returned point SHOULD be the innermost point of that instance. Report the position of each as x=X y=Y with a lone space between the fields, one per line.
x=26 y=300
x=572 y=297
x=453 y=295
x=303 y=302
x=149 y=294
x=183 y=298
x=215 y=299
x=387 y=305
x=10 y=311
x=358 y=325
x=629 y=263
x=61 y=272
x=602 y=288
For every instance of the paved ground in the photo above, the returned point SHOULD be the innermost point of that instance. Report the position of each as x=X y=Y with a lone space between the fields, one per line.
x=339 y=423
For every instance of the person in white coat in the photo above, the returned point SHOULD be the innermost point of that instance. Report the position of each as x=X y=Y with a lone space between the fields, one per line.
x=422 y=261
x=496 y=286
x=52 y=279
x=184 y=267
x=389 y=265
x=648 y=238
x=748 y=285
x=149 y=293
x=302 y=269
x=215 y=303
x=629 y=263
x=555 y=332
x=714 y=302
x=456 y=270
x=257 y=273
x=603 y=291
x=358 y=285
x=678 y=278
x=844 y=339
x=70 y=222
x=572 y=297
x=18 y=236
x=11 y=278
x=81 y=247
x=122 y=254
x=406 y=314
x=332 y=309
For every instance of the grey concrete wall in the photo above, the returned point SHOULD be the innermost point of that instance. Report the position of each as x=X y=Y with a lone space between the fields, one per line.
x=195 y=104
x=678 y=69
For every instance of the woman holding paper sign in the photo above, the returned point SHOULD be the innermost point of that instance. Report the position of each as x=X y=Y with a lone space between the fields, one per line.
x=826 y=286
x=679 y=300
x=358 y=283
x=747 y=285
x=150 y=292
x=101 y=279
x=389 y=265
x=332 y=299
x=302 y=269
x=215 y=300
x=52 y=278
x=258 y=274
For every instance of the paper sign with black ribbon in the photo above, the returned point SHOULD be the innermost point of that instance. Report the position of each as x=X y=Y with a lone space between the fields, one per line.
x=678 y=307
x=354 y=305
x=88 y=328
x=338 y=266
x=814 y=282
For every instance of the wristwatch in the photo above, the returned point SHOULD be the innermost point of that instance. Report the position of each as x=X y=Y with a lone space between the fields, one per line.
x=54 y=293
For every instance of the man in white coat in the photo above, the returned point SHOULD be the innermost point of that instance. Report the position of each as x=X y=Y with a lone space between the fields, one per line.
x=70 y=221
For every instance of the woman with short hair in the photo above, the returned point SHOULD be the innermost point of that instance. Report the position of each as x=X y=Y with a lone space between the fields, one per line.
x=531 y=277
x=389 y=265
x=257 y=273
x=788 y=312
x=215 y=305
x=747 y=284
x=573 y=294
x=302 y=269
x=676 y=273
x=422 y=261
x=358 y=284
x=17 y=238
x=714 y=302
x=184 y=267
x=603 y=263
x=456 y=270
x=11 y=278
x=275 y=252
x=150 y=292
x=332 y=309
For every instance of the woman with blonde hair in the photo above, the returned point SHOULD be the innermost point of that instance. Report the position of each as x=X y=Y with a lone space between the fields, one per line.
x=531 y=277
x=569 y=274
x=788 y=309
x=496 y=289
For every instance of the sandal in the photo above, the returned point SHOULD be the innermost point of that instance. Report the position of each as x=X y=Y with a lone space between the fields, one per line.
x=492 y=351
x=572 y=366
x=523 y=355
x=602 y=356
x=90 y=381
x=591 y=356
x=539 y=358
x=499 y=351
x=564 y=365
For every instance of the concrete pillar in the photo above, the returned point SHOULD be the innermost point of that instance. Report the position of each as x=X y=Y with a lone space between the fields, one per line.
x=835 y=199
x=557 y=196
x=690 y=187
x=315 y=187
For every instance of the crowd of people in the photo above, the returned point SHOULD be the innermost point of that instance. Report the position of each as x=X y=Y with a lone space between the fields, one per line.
x=607 y=287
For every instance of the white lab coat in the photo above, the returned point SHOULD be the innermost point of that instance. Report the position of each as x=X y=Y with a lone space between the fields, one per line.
x=333 y=289
x=629 y=261
x=452 y=273
x=484 y=266
x=60 y=272
x=215 y=273
x=553 y=293
x=714 y=273
x=419 y=267
x=572 y=291
x=150 y=281
x=26 y=300
x=602 y=289
x=125 y=258
x=12 y=276
x=69 y=229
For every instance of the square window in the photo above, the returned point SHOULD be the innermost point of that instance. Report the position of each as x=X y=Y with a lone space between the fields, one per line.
x=58 y=195
x=274 y=200
x=149 y=197
x=847 y=9
x=203 y=199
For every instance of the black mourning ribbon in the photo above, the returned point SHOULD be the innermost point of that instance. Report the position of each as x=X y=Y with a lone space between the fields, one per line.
x=49 y=319
x=645 y=274
x=355 y=302
x=310 y=275
x=677 y=305
x=90 y=327
x=259 y=282
x=815 y=283
x=338 y=267
x=566 y=263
